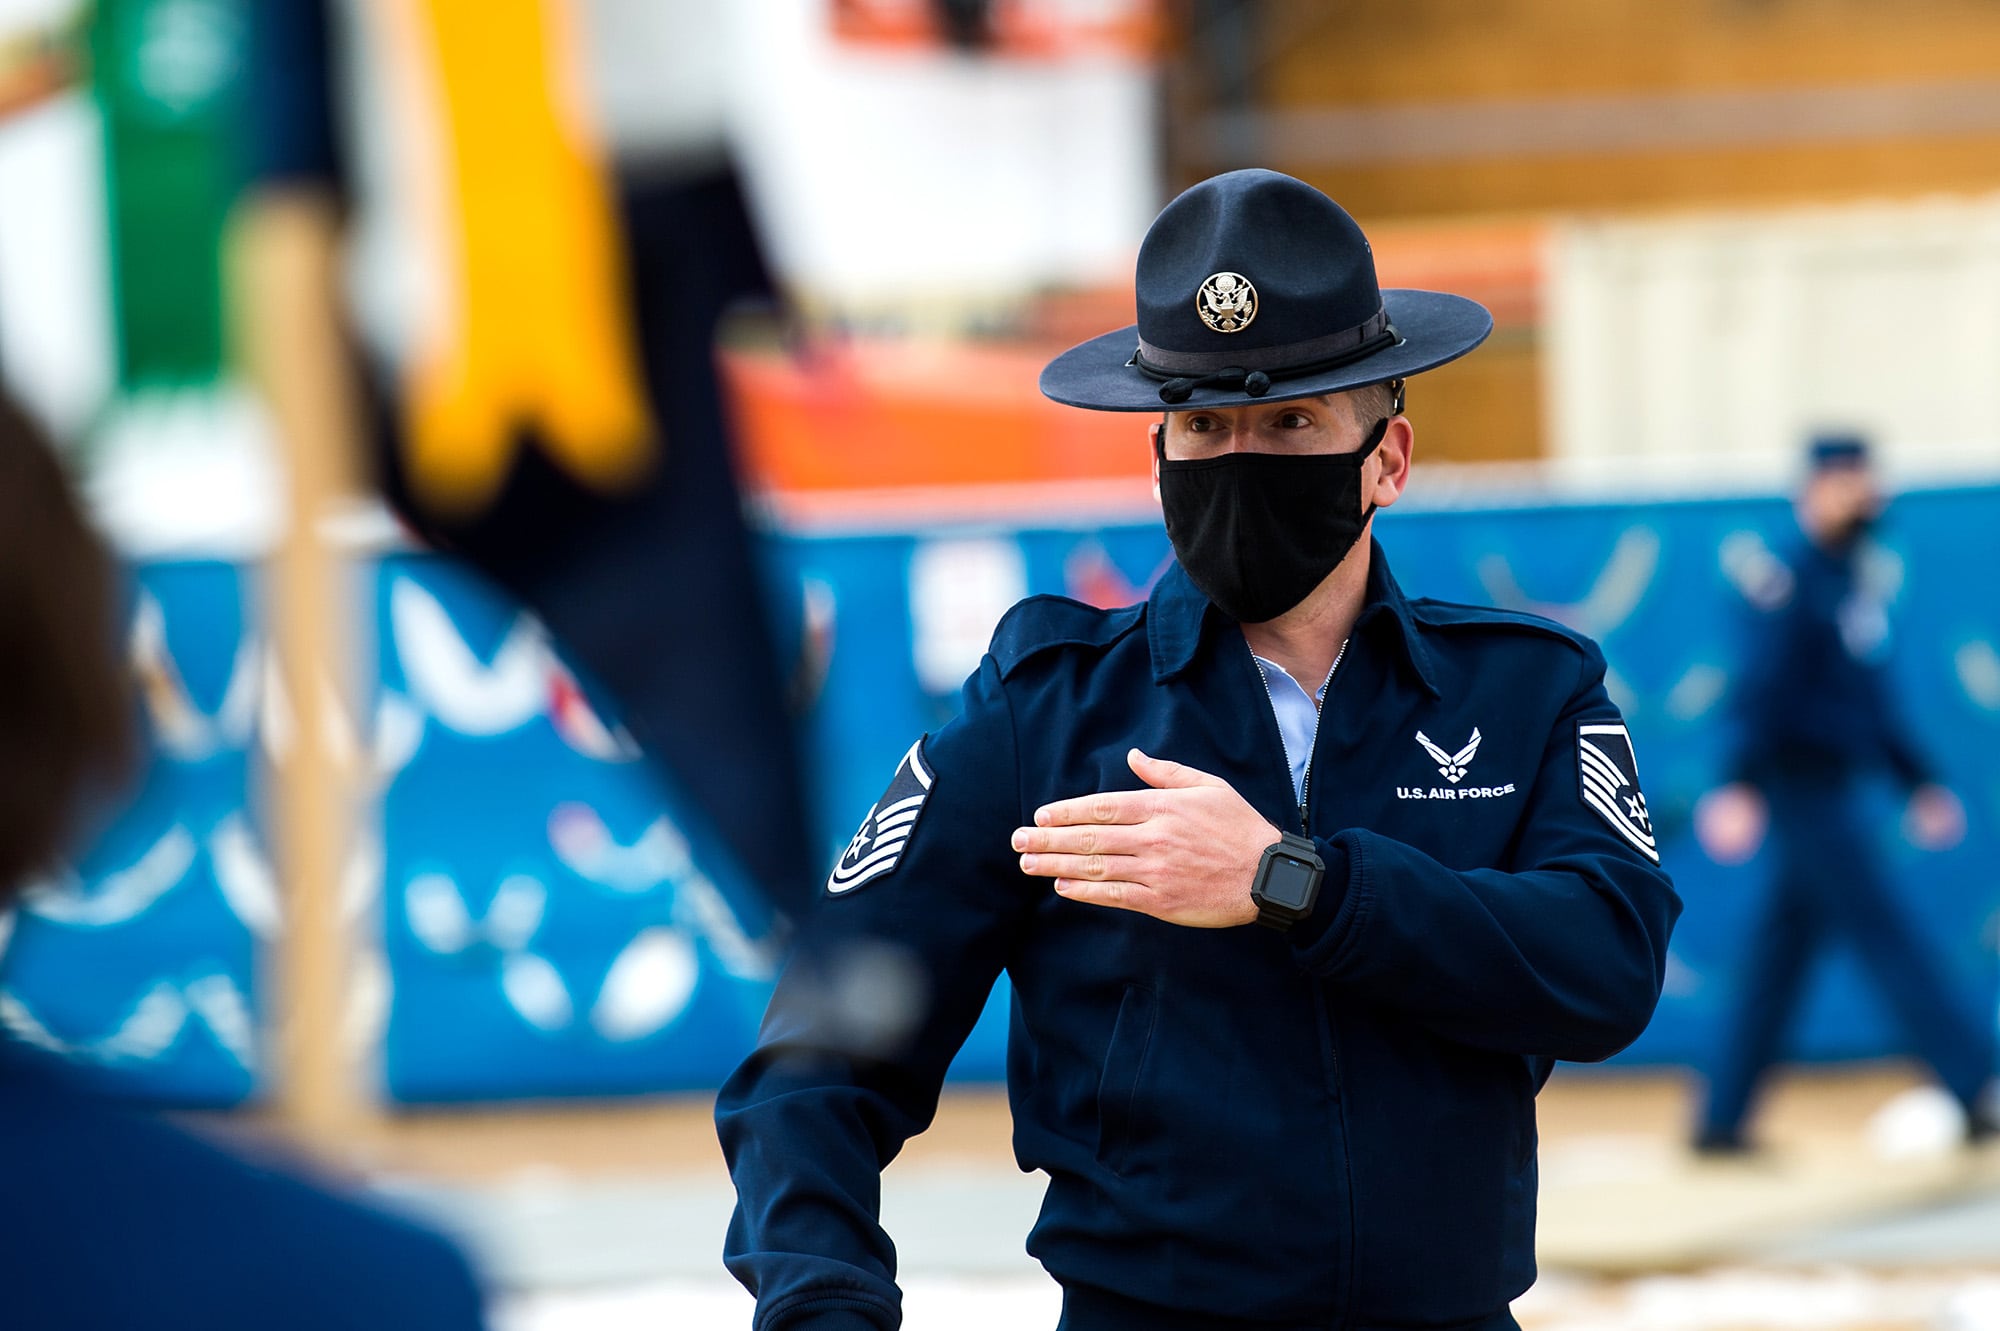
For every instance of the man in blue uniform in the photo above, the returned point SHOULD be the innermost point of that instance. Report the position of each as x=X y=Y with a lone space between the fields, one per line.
x=1302 y=884
x=1814 y=720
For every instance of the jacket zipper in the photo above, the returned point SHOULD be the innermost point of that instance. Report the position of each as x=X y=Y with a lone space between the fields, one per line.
x=1325 y=1015
x=1319 y=712
x=1323 y=1018
x=1319 y=715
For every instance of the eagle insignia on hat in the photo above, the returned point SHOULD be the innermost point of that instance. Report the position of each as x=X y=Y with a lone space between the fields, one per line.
x=1226 y=302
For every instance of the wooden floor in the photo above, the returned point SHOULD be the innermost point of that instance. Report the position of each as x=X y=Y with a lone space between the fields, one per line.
x=674 y=1133
x=1620 y=1193
x=1635 y=1233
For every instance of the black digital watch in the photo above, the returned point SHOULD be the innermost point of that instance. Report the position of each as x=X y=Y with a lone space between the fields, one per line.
x=1287 y=881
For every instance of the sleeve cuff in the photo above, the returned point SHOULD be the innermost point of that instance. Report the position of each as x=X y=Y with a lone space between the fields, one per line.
x=1319 y=936
x=833 y=1319
x=830 y=1311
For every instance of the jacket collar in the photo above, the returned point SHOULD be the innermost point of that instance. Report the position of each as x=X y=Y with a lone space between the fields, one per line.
x=1178 y=615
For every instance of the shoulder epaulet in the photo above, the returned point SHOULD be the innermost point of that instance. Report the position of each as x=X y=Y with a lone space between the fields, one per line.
x=1453 y=615
x=1044 y=622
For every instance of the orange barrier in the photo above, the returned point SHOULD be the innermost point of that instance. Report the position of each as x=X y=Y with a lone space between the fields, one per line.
x=880 y=414
x=1499 y=264
x=1034 y=29
x=869 y=415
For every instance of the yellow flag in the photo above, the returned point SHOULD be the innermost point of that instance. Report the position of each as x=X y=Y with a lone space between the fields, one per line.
x=537 y=329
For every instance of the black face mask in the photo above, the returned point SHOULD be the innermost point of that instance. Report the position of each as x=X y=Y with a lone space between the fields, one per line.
x=1258 y=531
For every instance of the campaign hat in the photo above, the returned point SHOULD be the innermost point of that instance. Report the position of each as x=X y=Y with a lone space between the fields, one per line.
x=1832 y=451
x=1255 y=287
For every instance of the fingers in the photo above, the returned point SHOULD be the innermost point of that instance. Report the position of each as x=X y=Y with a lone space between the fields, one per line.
x=1165 y=775
x=1127 y=806
x=1115 y=894
x=1090 y=868
x=1088 y=839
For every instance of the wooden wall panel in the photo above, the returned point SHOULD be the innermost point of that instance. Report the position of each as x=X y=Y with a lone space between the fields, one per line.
x=1660 y=181
x=1484 y=408
x=1385 y=51
x=1470 y=113
x=1668 y=76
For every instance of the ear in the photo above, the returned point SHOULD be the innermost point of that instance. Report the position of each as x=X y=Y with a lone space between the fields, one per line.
x=1392 y=462
x=1153 y=449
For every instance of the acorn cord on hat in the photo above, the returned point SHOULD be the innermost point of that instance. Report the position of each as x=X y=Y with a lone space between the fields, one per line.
x=1178 y=388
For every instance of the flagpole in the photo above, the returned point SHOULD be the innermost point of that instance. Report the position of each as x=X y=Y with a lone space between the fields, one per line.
x=285 y=248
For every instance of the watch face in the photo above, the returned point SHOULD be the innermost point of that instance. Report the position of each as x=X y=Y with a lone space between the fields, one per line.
x=1288 y=883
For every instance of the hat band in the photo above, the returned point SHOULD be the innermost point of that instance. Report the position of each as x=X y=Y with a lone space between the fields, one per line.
x=1278 y=362
x=1244 y=372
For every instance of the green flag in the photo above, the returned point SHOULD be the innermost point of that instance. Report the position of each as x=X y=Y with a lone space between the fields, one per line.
x=168 y=76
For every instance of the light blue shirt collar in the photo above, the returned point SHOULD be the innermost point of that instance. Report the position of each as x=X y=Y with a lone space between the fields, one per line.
x=1298 y=717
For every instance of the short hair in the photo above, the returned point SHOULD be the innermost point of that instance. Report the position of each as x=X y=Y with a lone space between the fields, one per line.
x=66 y=712
x=1371 y=403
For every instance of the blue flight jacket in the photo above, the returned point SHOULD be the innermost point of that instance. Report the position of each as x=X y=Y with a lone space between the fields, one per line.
x=1329 y=1127
x=1814 y=701
x=115 y=1221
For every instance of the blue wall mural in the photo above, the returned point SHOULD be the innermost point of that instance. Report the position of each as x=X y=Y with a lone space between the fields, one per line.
x=540 y=916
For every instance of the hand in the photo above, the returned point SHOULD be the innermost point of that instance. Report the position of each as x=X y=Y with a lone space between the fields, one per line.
x=1184 y=851
x=1730 y=821
x=1934 y=818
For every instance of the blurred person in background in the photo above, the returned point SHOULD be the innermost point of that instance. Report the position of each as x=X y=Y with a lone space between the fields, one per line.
x=1814 y=719
x=113 y=1220
x=1288 y=972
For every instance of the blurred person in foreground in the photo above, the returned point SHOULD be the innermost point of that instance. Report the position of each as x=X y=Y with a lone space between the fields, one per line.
x=113 y=1220
x=1814 y=720
x=1303 y=885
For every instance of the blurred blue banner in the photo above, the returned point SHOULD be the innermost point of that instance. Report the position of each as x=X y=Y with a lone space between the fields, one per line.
x=542 y=918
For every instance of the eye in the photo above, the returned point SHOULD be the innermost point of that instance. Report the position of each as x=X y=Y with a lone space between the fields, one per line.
x=1295 y=420
x=1200 y=424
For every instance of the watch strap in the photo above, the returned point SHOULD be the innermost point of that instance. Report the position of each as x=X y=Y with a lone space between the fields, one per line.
x=1272 y=919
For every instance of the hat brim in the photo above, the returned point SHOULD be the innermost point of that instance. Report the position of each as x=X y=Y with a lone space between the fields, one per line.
x=1433 y=327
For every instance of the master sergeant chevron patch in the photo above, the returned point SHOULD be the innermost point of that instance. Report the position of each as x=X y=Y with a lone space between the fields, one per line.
x=1608 y=780
x=878 y=846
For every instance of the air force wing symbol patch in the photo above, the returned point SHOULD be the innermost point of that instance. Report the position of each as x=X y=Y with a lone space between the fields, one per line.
x=878 y=847
x=1608 y=779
